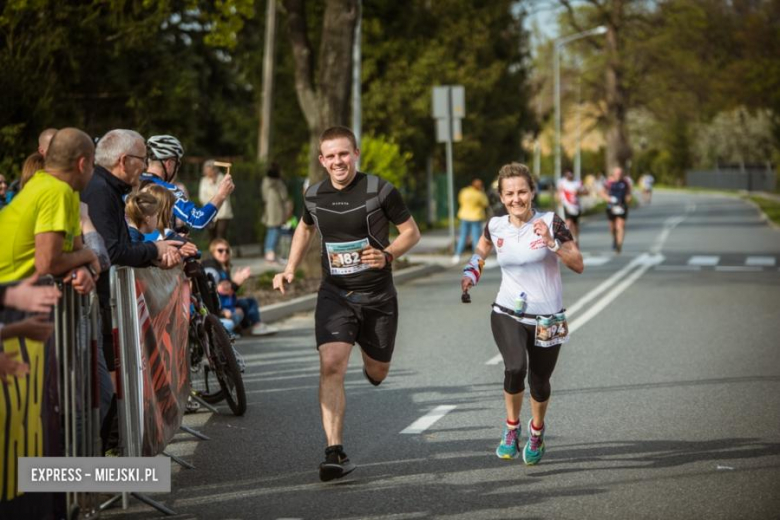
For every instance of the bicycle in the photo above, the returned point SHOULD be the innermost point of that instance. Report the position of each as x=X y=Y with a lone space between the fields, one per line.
x=211 y=349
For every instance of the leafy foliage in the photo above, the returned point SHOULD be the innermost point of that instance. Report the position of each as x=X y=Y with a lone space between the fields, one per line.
x=383 y=157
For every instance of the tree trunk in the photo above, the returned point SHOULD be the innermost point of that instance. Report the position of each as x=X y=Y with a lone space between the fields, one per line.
x=322 y=87
x=618 y=147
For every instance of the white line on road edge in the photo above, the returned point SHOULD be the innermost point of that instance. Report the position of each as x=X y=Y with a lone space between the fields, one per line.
x=427 y=420
x=606 y=284
x=649 y=261
x=669 y=225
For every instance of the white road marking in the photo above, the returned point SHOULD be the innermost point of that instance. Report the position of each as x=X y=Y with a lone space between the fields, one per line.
x=669 y=225
x=604 y=286
x=704 y=260
x=428 y=420
x=739 y=268
x=596 y=260
x=649 y=261
x=765 y=261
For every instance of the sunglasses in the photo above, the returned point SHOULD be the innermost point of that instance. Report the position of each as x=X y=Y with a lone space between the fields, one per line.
x=222 y=250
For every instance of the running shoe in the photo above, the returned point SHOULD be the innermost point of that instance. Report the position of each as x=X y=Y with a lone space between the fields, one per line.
x=508 y=449
x=336 y=464
x=261 y=329
x=534 y=448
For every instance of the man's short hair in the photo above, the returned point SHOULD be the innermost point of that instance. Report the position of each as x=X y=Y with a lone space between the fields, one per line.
x=67 y=147
x=209 y=165
x=44 y=139
x=337 y=132
x=115 y=144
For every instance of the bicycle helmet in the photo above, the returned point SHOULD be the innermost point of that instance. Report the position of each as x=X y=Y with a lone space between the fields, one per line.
x=163 y=147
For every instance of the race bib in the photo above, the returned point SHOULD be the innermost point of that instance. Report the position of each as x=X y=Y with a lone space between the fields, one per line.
x=617 y=209
x=344 y=257
x=551 y=330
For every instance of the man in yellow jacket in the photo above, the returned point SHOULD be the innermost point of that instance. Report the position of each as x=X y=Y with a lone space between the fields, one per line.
x=473 y=204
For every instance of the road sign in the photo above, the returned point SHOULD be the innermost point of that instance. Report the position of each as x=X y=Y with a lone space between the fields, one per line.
x=449 y=107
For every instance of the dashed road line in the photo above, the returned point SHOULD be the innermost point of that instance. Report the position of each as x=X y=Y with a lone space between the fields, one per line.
x=704 y=260
x=764 y=261
x=429 y=419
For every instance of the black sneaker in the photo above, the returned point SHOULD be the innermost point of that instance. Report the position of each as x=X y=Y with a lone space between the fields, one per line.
x=336 y=464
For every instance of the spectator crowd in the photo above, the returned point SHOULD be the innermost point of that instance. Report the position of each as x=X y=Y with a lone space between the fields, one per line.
x=82 y=205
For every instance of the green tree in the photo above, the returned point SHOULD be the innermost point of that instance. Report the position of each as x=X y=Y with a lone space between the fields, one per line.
x=382 y=156
x=408 y=48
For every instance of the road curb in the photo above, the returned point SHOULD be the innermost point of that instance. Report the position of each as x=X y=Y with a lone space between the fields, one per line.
x=761 y=212
x=281 y=310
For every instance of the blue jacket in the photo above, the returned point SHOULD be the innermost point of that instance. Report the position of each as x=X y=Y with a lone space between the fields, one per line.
x=184 y=209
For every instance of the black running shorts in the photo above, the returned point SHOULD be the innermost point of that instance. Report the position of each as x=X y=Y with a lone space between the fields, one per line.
x=612 y=216
x=370 y=319
x=574 y=217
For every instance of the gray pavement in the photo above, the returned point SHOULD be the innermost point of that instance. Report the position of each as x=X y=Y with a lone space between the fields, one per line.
x=665 y=404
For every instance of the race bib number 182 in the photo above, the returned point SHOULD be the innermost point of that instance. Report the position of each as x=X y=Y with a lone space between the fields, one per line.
x=344 y=257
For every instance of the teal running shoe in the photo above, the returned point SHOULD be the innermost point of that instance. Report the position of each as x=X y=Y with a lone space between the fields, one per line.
x=534 y=448
x=508 y=449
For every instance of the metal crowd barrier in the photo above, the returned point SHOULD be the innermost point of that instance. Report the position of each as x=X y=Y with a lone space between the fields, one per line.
x=76 y=339
x=147 y=378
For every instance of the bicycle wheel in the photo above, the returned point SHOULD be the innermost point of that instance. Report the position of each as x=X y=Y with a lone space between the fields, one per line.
x=224 y=365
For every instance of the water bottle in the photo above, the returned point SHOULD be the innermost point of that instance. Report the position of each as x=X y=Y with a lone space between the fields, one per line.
x=521 y=302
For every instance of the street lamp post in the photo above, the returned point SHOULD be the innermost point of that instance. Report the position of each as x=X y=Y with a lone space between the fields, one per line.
x=357 y=87
x=559 y=44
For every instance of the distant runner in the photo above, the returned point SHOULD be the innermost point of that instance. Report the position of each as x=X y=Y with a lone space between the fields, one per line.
x=617 y=193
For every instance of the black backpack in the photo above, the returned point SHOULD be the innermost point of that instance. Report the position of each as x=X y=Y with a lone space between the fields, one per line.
x=376 y=197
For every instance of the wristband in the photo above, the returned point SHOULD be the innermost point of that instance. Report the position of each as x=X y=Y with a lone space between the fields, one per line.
x=473 y=269
x=555 y=247
x=388 y=257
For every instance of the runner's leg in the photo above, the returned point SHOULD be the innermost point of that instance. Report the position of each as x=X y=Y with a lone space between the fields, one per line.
x=376 y=370
x=620 y=231
x=513 y=404
x=334 y=358
x=541 y=363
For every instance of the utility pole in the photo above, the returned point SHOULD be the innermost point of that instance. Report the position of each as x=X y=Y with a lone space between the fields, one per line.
x=266 y=107
x=357 y=87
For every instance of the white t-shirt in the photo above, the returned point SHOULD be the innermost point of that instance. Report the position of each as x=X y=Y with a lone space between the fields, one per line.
x=569 y=192
x=527 y=265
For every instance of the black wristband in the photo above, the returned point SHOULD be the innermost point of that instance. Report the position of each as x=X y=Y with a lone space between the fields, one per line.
x=388 y=257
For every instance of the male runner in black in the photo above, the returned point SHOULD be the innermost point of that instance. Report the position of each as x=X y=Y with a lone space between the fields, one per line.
x=357 y=299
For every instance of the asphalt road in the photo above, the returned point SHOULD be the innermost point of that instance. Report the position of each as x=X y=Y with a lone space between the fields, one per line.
x=665 y=403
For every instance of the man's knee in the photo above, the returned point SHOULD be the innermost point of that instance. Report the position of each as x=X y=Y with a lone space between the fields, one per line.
x=377 y=371
x=334 y=358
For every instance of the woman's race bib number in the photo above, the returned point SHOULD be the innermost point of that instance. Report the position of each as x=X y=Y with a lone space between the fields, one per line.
x=344 y=257
x=551 y=330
